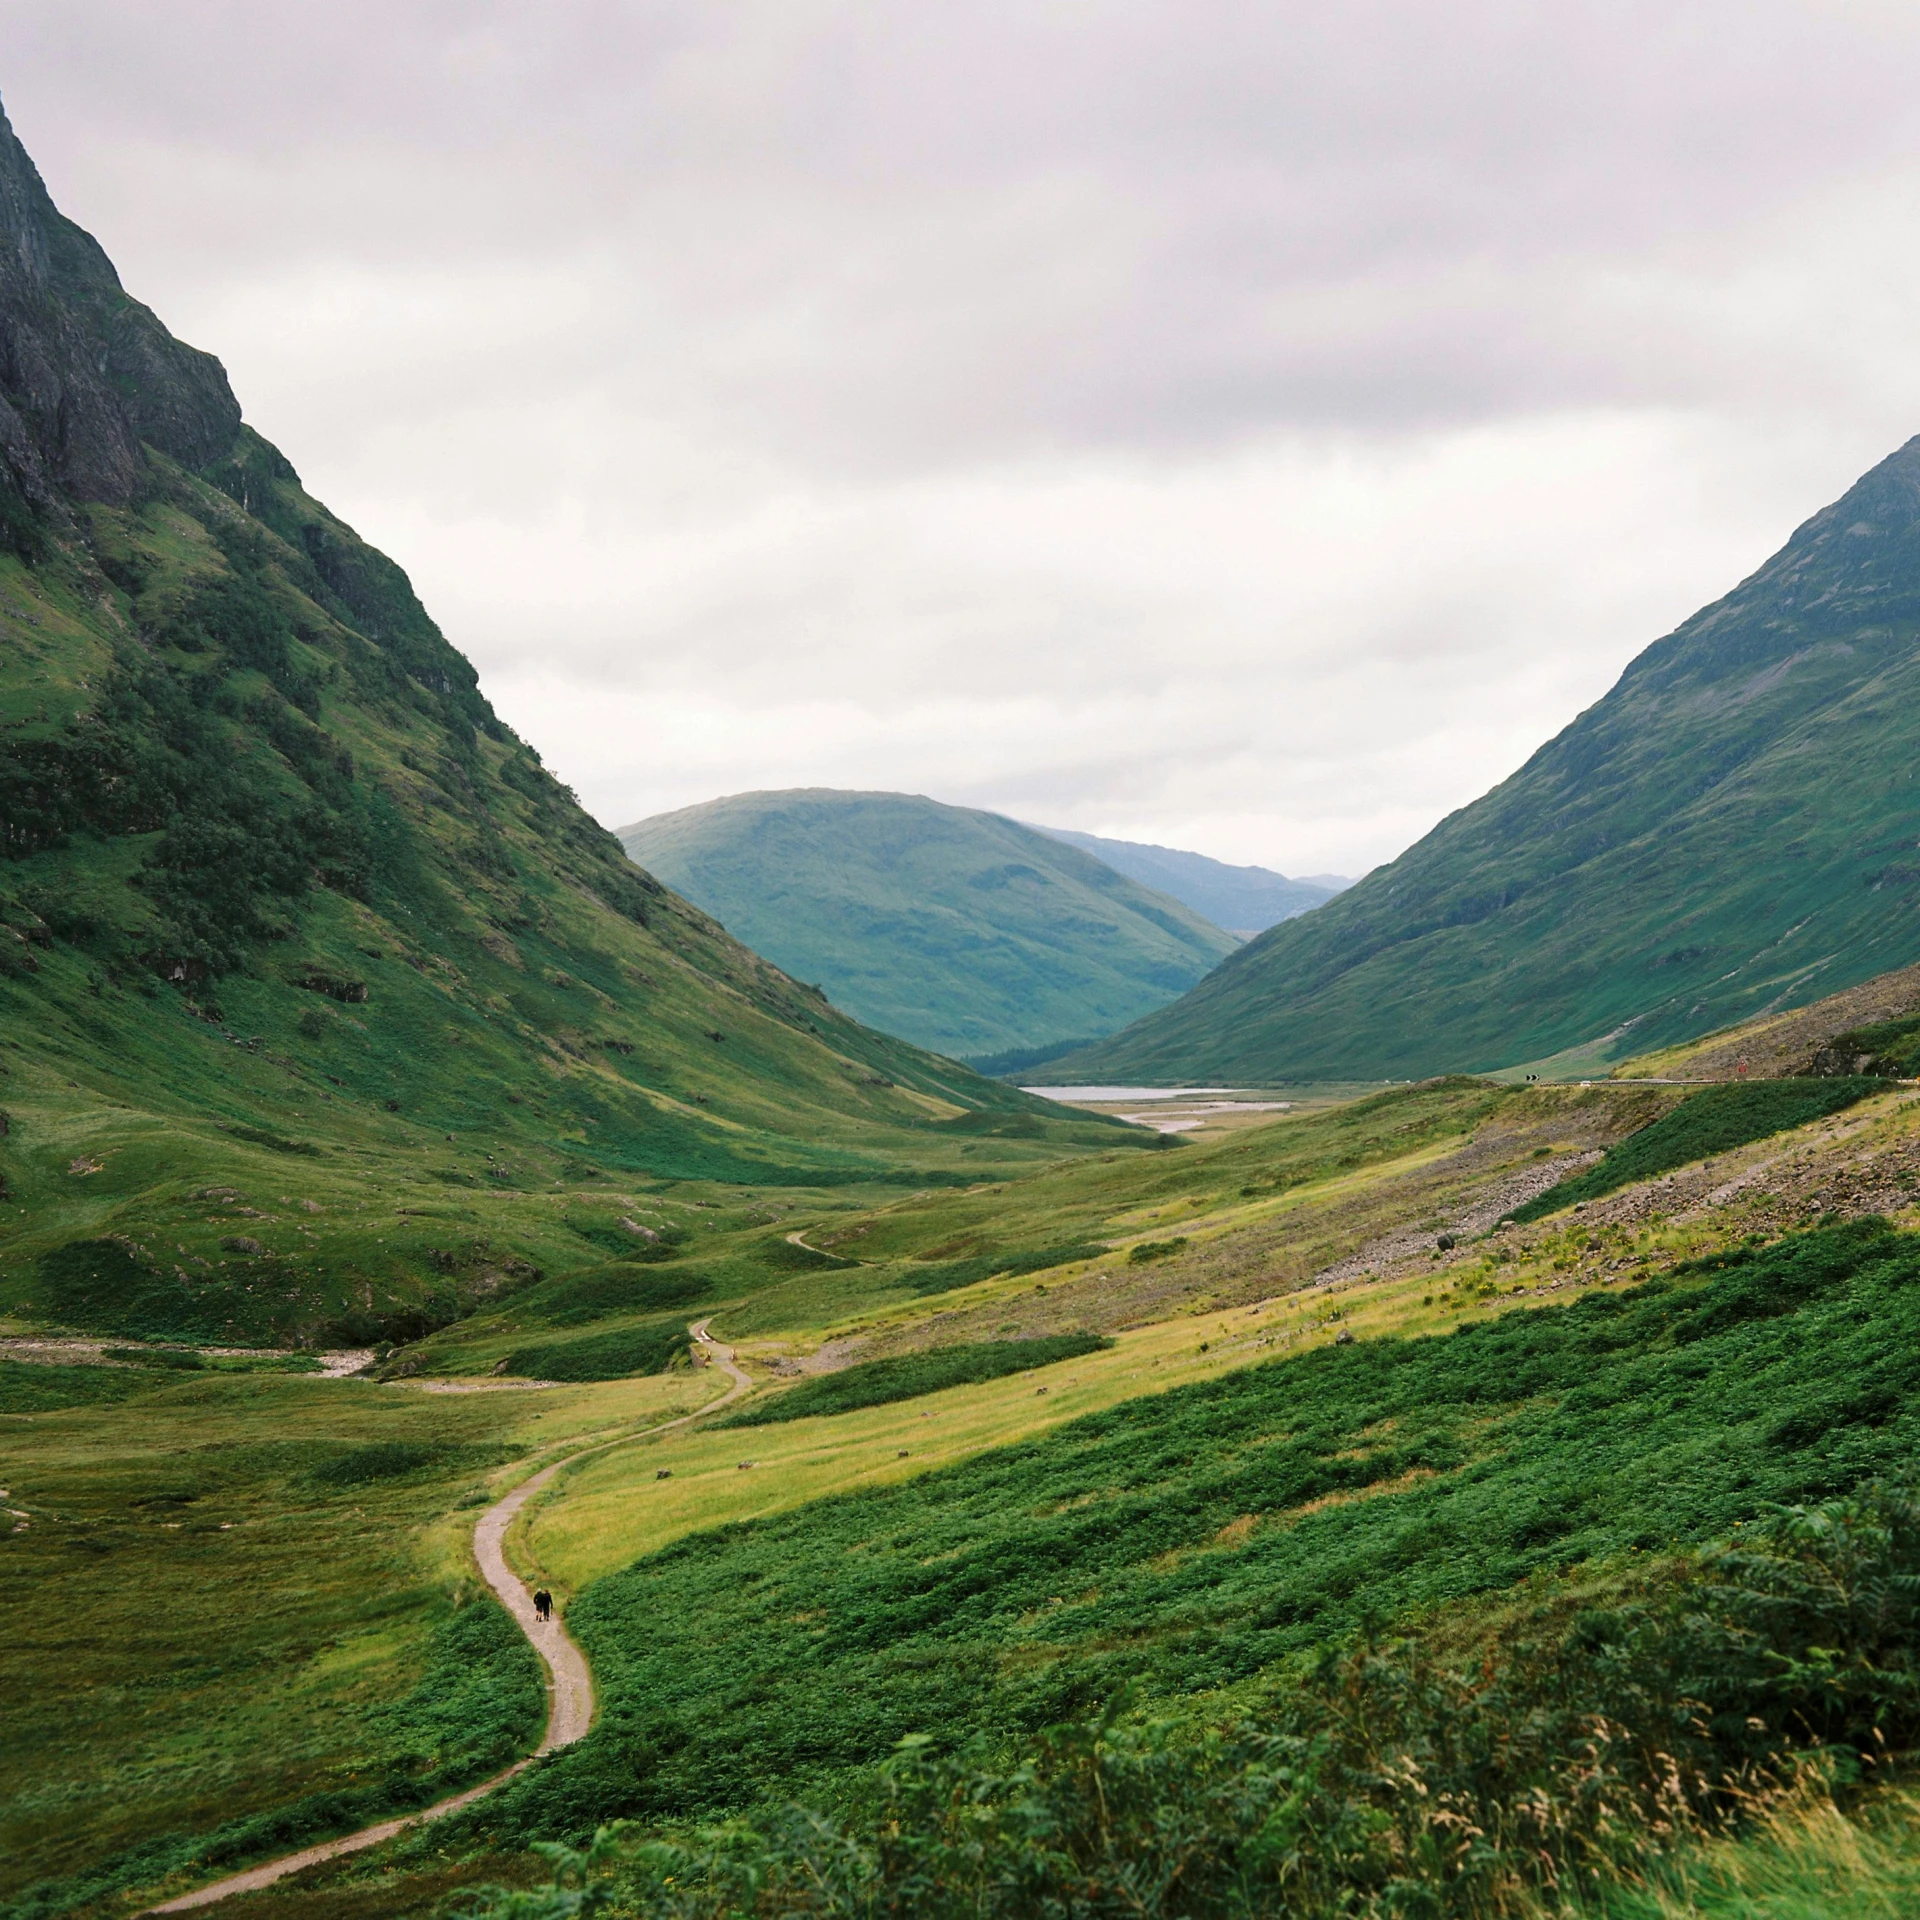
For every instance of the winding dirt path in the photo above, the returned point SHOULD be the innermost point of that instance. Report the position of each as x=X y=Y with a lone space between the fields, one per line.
x=569 y=1679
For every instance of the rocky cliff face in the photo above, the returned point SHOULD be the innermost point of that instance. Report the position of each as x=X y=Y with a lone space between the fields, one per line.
x=88 y=376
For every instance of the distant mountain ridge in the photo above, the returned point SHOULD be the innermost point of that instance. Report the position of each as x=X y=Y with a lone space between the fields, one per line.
x=1242 y=900
x=961 y=930
x=1732 y=829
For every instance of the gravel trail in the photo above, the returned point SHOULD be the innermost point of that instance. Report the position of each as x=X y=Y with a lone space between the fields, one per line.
x=569 y=1679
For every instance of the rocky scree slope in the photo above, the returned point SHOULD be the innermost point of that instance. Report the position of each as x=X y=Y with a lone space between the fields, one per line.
x=1731 y=830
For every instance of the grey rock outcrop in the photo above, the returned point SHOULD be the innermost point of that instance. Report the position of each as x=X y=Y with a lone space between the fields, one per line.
x=88 y=376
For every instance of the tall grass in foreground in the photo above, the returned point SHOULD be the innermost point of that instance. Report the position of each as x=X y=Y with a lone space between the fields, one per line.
x=1805 y=1859
x=1533 y=1770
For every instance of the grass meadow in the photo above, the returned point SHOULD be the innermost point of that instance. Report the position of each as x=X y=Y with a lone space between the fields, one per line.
x=768 y=1607
x=245 y=1612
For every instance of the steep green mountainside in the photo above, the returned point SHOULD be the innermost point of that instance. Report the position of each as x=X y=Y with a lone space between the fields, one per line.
x=290 y=921
x=1730 y=830
x=961 y=930
x=1243 y=900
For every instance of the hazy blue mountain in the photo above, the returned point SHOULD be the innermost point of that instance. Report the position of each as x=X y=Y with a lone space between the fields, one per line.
x=962 y=930
x=1243 y=900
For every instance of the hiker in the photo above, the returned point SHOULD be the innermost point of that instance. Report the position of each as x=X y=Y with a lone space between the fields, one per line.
x=543 y=1603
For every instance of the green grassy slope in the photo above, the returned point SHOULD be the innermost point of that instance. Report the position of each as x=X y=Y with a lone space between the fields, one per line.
x=236 y=1622
x=1731 y=828
x=1259 y=1212
x=1188 y=1546
x=292 y=929
x=1042 y=1248
x=961 y=930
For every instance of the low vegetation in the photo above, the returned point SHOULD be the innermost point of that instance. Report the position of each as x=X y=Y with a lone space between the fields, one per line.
x=1803 y=1858
x=879 y=1383
x=1191 y=1545
x=1076 y=1622
x=1593 y=1731
x=41 y=1389
x=234 y=1625
x=475 y=1711
x=947 y=1276
x=1889 y=1049
x=645 y=1347
x=601 y=1293
x=1144 y=1252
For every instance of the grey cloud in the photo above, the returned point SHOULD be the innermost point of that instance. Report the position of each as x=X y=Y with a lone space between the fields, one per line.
x=992 y=367
x=918 y=233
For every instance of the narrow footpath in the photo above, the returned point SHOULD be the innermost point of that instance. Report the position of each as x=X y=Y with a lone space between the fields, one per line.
x=569 y=1679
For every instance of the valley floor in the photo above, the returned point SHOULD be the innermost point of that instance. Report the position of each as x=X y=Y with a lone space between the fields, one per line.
x=256 y=1618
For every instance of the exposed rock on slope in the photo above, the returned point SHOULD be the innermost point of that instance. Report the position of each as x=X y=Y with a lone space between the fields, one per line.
x=86 y=374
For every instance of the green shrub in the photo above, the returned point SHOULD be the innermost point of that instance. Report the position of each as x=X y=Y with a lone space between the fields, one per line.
x=946 y=1276
x=1715 y=1121
x=780 y=1255
x=1891 y=1050
x=1436 y=1774
x=248 y=805
x=273 y=1142
x=328 y=980
x=31 y=1387
x=626 y=1245
x=998 y=1126
x=906 y=1376
x=647 y=1348
x=384 y=1460
x=1146 y=1250
x=602 y=1292
x=104 y=1286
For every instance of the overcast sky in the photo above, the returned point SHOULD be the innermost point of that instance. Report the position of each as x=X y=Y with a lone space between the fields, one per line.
x=1249 y=427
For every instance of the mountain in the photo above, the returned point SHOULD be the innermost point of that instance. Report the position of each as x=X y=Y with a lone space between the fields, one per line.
x=1243 y=900
x=1732 y=829
x=286 y=910
x=958 y=929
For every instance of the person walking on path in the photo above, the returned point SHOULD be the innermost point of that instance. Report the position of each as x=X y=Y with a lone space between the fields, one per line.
x=570 y=1711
